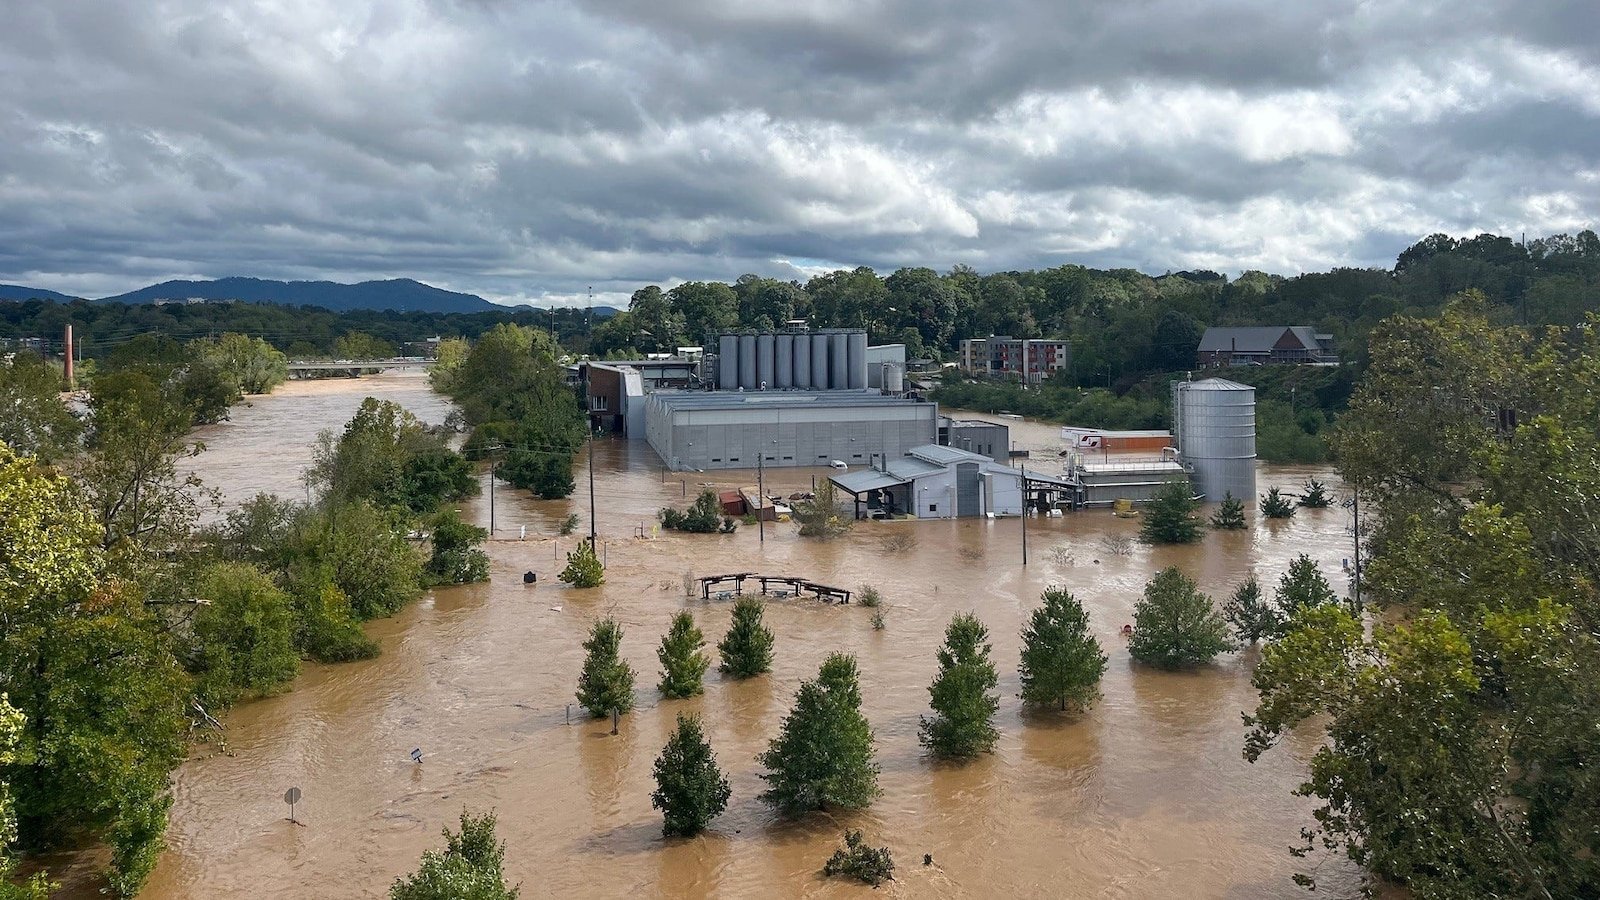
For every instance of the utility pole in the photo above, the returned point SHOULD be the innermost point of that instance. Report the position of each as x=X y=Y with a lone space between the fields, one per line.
x=1355 y=506
x=493 y=449
x=593 y=544
x=1024 y=514
x=761 y=495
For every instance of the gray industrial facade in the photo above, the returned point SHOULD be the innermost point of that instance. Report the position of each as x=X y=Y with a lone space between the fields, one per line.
x=729 y=429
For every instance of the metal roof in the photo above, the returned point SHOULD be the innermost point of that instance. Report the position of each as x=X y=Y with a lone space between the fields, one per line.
x=946 y=456
x=865 y=480
x=1255 y=338
x=774 y=399
x=1215 y=384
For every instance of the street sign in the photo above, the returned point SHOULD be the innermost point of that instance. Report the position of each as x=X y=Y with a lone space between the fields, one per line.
x=291 y=797
x=416 y=755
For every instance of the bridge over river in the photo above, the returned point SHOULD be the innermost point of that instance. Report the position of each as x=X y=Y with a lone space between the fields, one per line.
x=302 y=368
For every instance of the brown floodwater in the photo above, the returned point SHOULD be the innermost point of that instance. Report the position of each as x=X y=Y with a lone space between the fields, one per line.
x=1145 y=795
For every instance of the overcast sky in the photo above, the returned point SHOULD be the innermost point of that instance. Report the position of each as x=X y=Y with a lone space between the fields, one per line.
x=526 y=150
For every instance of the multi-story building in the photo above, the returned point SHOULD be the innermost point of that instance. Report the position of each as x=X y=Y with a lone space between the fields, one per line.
x=1269 y=345
x=1031 y=359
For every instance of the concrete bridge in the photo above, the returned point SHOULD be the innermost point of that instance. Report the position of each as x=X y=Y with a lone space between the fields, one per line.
x=357 y=366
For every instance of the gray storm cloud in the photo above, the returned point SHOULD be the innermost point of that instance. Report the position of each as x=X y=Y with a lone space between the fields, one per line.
x=526 y=151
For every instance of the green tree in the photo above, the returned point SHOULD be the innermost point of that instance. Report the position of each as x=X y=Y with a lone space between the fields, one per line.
x=823 y=755
x=362 y=551
x=963 y=721
x=1230 y=515
x=819 y=517
x=1302 y=587
x=1061 y=661
x=249 y=362
x=683 y=662
x=1316 y=496
x=1275 y=506
x=33 y=420
x=690 y=789
x=583 y=567
x=456 y=558
x=1251 y=616
x=448 y=359
x=704 y=516
x=869 y=865
x=469 y=868
x=746 y=649
x=1175 y=625
x=1169 y=517
x=242 y=634
x=606 y=683
x=359 y=345
x=39 y=886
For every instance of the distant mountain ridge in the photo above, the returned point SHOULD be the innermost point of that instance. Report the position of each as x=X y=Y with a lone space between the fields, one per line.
x=399 y=294
x=22 y=292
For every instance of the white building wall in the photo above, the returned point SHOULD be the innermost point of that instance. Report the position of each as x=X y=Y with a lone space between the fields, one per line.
x=1002 y=494
x=936 y=495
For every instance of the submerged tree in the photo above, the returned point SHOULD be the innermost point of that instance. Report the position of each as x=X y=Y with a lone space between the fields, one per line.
x=469 y=868
x=1174 y=625
x=1061 y=661
x=746 y=649
x=583 y=567
x=690 y=789
x=683 y=663
x=1169 y=517
x=823 y=756
x=456 y=558
x=1316 y=496
x=1276 y=506
x=963 y=721
x=869 y=865
x=1230 y=515
x=819 y=517
x=1251 y=616
x=1302 y=587
x=242 y=637
x=606 y=684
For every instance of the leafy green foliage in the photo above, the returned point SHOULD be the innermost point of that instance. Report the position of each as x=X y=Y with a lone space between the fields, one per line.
x=869 y=865
x=823 y=755
x=963 y=722
x=746 y=649
x=456 y=558
x=469 y=868
x=242 y=636
x=1230 y=514
x=819 y=517
x=1175 y=625
x=704 y=516
x=1169 y=517
x=33 y=420
x=387 y=457
x=1316 y=496
x=869 y=596
x=250 y=363
x=583 y=567
x=1251 y=616
x=690 y=789
x=1276 y=506
x=1061 y=661
x=39 y=886
x=360 y=345
x=683 y=661
x=606 y=683
x=1302 y=587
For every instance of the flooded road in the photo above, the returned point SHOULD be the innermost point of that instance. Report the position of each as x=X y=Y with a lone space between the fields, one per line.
x=1146 y=795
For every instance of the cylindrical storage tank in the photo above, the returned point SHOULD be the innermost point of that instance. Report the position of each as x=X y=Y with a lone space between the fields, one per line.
x=819 y=362
x=838 y=361
x=728 y=362
x=802 y=361
x=747 y=362
x=785 y=363
x=857 y=360
x=894 y=378
x=766 y=364
x=1216 y=421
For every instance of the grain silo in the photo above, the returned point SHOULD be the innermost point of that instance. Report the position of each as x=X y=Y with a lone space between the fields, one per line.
x=894 y=378
x=728 y=362
x=856 y=360
x=1215 y=424
x=784 y=379
x=747 y=361
x=802 y=362
x=766 y=363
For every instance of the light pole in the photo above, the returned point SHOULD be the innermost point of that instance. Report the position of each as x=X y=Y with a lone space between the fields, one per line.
x=492 y=450
x=1024 y=514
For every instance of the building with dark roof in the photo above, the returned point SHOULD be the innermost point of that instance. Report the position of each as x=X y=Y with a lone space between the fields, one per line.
x=1265 y=345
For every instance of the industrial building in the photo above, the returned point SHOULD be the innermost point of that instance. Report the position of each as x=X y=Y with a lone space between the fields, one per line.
x=933 y=482
x=703 y=430
x=989 y=439
x=614 y=390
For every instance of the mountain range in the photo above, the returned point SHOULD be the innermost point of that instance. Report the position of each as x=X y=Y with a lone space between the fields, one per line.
x=400 y=294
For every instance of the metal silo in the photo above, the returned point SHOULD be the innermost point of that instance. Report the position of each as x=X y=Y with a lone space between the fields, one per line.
x=784 y=369
x=838 y=361
x=1215 y=423
x=747 y=362
x=728 y=362
x=819 y=362
x=894 y=378
x=766 y=364
x=857 y=359
x=802 y=361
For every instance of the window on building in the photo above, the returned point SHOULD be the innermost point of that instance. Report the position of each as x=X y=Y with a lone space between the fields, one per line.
x=598 y=401
x=933 y=507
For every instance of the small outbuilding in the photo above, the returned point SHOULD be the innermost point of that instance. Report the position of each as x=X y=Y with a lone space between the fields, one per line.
x=934 y=482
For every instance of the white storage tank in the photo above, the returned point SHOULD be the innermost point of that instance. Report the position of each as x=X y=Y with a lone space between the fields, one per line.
x=1215 y=424
x=856 y=358
x=894 y=378
x=766 y=364
x=784 y=379
x=747 y=362
x=728 y=362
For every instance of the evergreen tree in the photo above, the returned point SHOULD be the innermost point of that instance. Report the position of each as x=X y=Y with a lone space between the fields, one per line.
x=470 y=868
x=690 y=789
x=1169 y=517
x=747 y=647
x=1230 y=515
x=583 y=568
x=1275 y=506
x=1251 y=616
x=682 y=662
x=606 y=683
x=1316 y=496
x=1061 y=661
x=1302 y=587
x=1174 y=625
x=823 y=756
x=963 y=724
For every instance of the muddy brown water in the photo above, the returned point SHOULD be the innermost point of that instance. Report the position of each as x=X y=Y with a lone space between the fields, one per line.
x=1146 y=795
